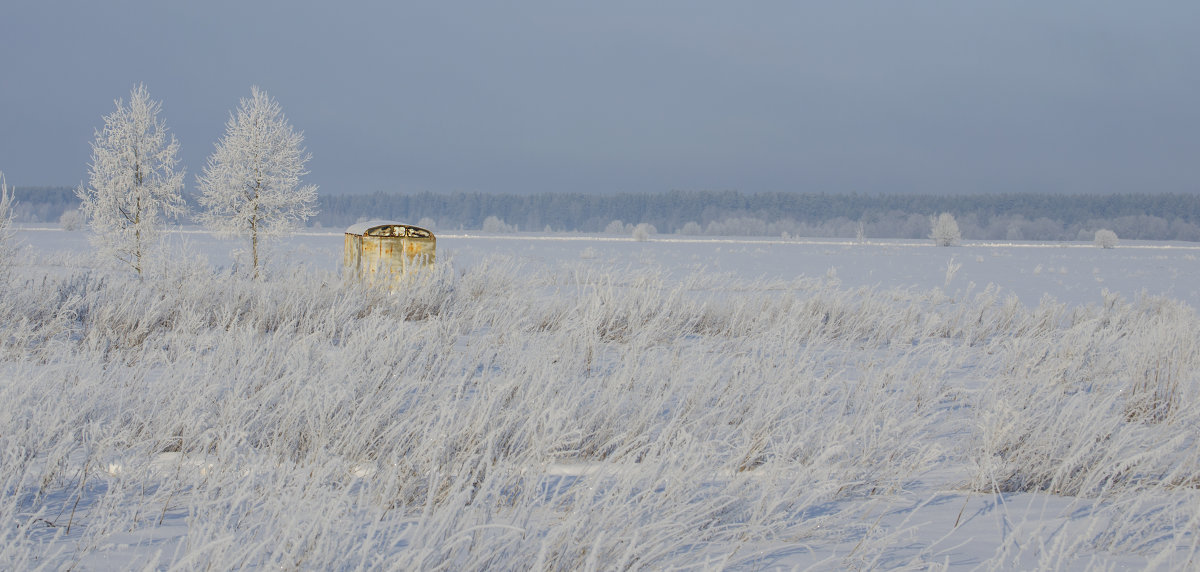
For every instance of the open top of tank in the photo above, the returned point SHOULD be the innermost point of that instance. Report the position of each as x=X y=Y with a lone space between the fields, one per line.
x=388 y=228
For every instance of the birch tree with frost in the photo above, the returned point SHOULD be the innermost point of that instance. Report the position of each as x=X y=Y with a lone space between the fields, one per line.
x=133 y=180
x=250 y=187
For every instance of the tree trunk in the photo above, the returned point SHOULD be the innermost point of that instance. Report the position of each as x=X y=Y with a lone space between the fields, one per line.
x=254 y=245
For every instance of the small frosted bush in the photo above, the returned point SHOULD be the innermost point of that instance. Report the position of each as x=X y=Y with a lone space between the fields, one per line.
x=945 y=230
x=618 y=227
x=643 y=231
x=497 y=224
x=1106 y=238
x=71 y=220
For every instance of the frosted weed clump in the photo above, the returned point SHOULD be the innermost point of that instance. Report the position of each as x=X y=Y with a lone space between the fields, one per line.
x=1092 y=408
x=500 y=415
x=952 y=268
x=6 y=231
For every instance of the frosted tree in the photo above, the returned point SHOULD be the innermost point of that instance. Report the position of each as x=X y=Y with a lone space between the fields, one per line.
x=250 y=187
x=618 y=227
x=642 y=231
x=945 y=230
x=497 y=224
x=1106 y=238
x=71 y=220
x=133 y=181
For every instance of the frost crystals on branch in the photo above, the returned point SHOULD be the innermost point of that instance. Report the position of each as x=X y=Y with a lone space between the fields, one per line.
x=133 y=180
x=251 y=185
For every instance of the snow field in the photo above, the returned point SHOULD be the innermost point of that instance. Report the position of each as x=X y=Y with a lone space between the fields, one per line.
x=520 y=408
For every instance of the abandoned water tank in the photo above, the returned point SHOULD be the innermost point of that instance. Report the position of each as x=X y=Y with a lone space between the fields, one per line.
x=379 y=251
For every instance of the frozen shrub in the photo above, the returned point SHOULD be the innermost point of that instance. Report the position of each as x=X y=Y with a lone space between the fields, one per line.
x=1106 y=238
x=691 y=228
x=497 y=224
x=643 y=231
x=945 y=230
x=618 y=227
x=71 y=220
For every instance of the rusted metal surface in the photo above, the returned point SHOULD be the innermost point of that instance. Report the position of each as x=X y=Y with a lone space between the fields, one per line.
x=382 y=251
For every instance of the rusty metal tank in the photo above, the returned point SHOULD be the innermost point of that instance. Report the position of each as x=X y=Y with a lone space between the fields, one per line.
x=381 y=251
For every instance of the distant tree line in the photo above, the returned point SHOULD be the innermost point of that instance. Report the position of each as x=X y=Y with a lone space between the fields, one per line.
x=1007 y=216
x=42 y=204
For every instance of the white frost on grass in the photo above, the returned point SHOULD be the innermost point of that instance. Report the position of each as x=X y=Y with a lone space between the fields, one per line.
x=567 y=413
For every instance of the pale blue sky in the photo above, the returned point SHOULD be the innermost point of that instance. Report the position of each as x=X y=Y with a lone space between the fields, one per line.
x=633 y=96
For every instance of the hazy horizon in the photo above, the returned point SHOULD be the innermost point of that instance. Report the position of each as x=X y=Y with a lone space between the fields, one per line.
x=921 y=97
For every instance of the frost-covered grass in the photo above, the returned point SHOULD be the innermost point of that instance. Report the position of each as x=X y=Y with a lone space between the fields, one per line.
x=504 y=415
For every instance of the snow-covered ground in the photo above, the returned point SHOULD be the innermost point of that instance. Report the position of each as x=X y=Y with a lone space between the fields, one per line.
x=561 y=401
x=1074 y=273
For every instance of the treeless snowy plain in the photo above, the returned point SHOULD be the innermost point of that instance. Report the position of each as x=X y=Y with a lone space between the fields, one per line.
x=584 y=402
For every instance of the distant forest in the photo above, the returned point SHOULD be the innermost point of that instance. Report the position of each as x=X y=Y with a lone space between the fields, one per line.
x=1009 y=216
